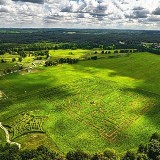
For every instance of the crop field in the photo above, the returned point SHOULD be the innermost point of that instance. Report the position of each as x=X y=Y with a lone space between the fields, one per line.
x=91 y=105
x=25 y=124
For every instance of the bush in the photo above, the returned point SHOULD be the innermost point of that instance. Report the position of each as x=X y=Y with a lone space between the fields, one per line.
x=99 y=156
x=20 y=59
x=142 y=149
x=155 y=136
x=116 y=51
x=13 y=59
x=142 y=156
x=94 y=58
x=129 y=156
x=110 y=154
x=3 y=61
x=77 y=155
x=154 y=149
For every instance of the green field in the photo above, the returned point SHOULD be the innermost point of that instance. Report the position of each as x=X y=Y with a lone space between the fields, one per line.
x=91 y=105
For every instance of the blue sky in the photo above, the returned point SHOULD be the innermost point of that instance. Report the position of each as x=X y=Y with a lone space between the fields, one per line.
x=114 y=14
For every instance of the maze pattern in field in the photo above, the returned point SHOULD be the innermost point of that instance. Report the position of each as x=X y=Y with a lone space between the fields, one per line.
x=25 y=124
x=113 y=110
x=102 y=105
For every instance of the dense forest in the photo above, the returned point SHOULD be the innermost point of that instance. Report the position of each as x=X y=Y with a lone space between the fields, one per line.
x=90 y=36
x=46 y=39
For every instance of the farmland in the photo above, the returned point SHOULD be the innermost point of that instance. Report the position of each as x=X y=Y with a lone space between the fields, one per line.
x=111 y=102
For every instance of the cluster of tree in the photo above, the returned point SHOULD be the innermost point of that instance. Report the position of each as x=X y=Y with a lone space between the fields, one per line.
x=61 y=61
x=22 y=54
x=23 y=49
x=152 y=50
x=38 y=58
x=13 y=60
x=46 y=39
x=103 y=52
x=118 y=51
x=13 y=69
x=126 y=51
x=3 y=61
x=34 y=49
x=150 y=151
x=2 y=52
x=93 y=58
x=50 y=63
x=143 y=48
x=31 y=53
x=108 y=154
x=12 y=152
x=68 y=60
x=19 y=59
x=37 y=49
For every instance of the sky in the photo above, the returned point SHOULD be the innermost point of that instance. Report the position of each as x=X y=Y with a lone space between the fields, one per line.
x=99 y=14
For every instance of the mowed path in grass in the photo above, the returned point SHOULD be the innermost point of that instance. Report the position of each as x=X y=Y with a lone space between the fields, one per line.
x=93 y=105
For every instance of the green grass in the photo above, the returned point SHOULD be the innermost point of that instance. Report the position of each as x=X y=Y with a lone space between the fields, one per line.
x=92 y=105
x=2 y=137
x=62 y=53
x=26 y=62
x=78 y=53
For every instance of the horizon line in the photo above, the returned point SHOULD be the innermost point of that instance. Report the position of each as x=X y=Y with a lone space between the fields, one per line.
x=79 y=28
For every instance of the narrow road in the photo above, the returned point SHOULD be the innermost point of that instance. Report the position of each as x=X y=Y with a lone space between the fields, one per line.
x=7 y=136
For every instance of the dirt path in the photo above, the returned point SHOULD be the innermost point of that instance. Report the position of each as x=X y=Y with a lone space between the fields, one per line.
x=7 y=136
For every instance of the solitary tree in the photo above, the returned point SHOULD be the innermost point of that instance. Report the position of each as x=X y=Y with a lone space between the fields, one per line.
x=13 y=59
x=20 y=59
x=3 y=61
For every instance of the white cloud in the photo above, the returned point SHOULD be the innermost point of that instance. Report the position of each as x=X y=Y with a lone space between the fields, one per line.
x=79 y=13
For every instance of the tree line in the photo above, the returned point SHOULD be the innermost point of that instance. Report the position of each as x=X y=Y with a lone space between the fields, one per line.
x=61 y=61
x=149 y=151
x=52 y=39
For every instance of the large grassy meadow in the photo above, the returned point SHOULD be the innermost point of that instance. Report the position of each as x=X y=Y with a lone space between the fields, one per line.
x=91 y=105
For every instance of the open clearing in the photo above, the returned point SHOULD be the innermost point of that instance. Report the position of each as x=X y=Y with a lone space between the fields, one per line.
x=91 y=105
